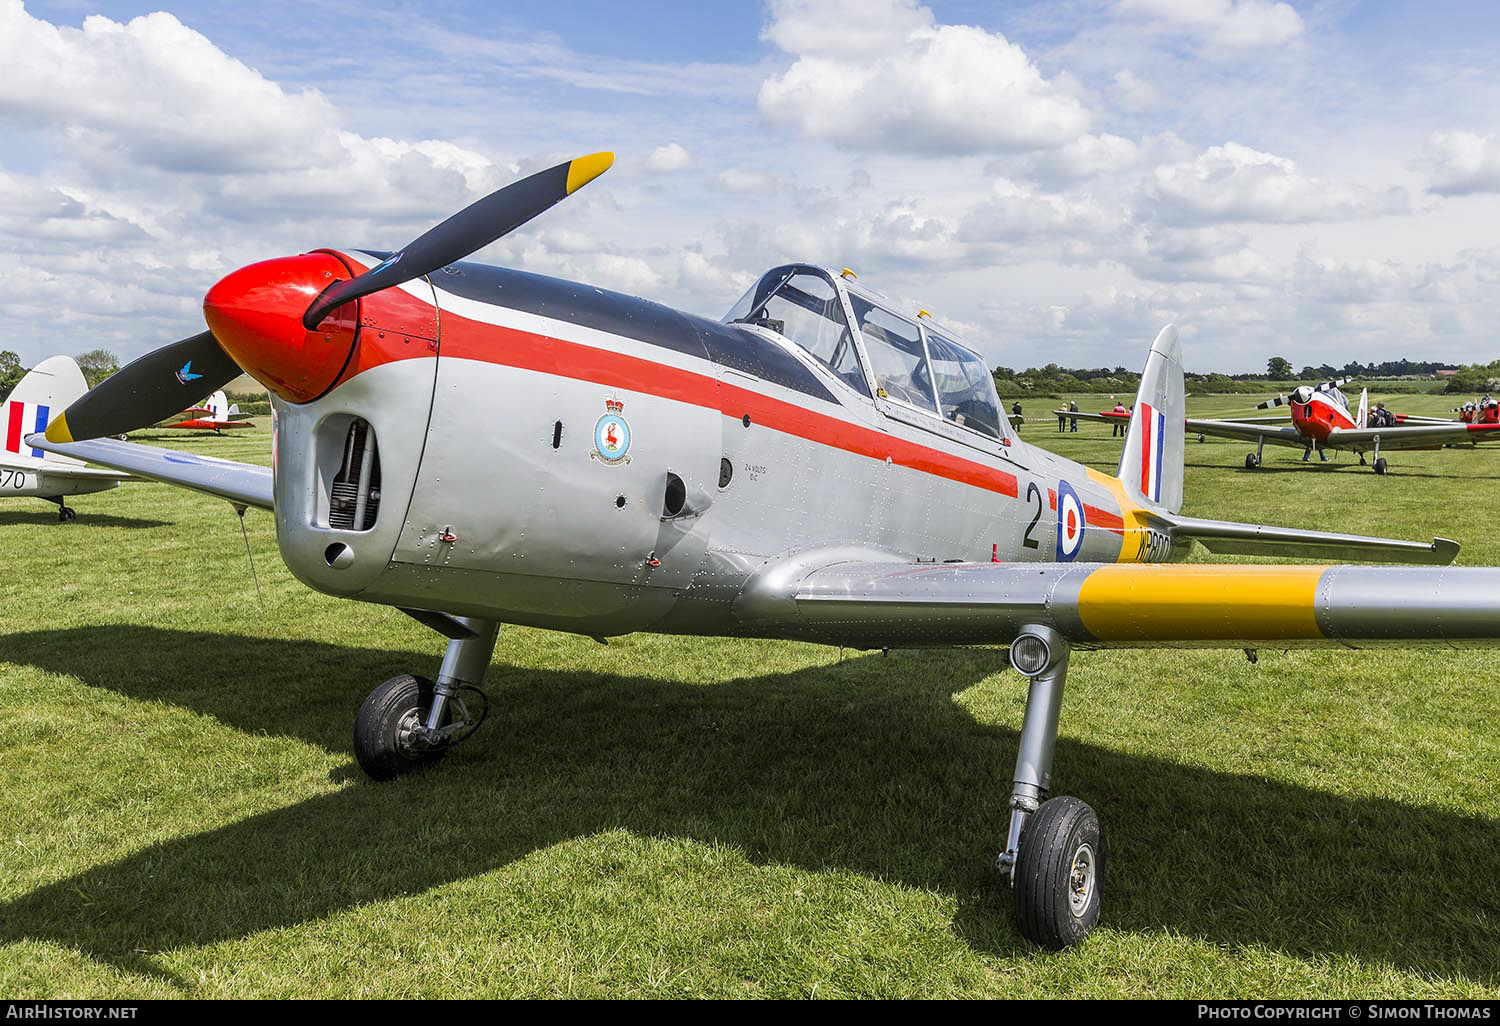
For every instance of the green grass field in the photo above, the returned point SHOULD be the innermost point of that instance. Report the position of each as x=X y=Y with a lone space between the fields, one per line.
x=181 y=814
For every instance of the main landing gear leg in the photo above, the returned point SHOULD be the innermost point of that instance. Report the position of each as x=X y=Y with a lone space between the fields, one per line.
x=1379 y=459
x=1054 y=849
x=1252 y=459
x=410 y=722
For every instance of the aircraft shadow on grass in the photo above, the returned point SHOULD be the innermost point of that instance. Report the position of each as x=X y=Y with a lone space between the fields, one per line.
x=86 y=519
x=862 y=765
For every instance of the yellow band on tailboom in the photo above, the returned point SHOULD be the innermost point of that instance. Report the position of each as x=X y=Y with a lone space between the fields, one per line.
x=1133 y=517
x=1201 y=603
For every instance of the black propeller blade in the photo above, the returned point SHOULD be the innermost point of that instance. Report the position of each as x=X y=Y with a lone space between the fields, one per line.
x=471 y=229
x=175 y=377
x=153 y=388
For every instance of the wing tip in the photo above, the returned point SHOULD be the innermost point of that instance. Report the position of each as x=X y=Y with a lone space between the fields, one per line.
x=1446 y=549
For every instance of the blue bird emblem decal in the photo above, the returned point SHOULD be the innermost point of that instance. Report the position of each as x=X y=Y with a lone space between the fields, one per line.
x=186 y=374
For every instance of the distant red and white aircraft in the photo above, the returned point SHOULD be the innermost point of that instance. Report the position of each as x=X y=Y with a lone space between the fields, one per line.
x=216 y=415
x=1321 y=420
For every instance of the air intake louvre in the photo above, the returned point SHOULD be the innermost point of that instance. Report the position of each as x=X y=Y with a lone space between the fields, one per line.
x=354 y=500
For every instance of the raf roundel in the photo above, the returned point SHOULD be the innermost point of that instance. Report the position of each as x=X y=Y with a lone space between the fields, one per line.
x=1070 y=523
x=612 y=435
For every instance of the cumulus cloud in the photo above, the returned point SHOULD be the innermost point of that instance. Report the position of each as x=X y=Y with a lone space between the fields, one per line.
x=1130 y=93
x=157 y=92
x=670 y=157
x=1086 y=157
x=1228 y=24
x=153 y=96
x=886 y=77
x=739 y=180
x=1236 y=183
x=1014 y=211
x=1462 y=163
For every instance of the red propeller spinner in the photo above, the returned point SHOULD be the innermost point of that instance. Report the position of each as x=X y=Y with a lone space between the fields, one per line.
x=256 y=314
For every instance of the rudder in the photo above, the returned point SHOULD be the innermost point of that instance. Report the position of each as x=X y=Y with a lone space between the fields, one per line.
x=47 y=390
x=1151 y=465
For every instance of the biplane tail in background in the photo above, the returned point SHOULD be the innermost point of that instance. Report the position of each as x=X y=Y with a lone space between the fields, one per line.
x=216 y=414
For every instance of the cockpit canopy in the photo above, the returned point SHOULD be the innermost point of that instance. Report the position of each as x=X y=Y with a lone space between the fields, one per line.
x=905 y=360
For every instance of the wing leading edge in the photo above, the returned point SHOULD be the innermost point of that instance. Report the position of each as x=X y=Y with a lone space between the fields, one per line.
x=243 y=484
x=873 y=605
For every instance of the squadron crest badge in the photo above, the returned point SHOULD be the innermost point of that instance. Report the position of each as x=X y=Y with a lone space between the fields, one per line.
x=612 y=435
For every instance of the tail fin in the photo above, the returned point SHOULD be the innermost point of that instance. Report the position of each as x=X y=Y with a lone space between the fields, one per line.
x=1151 y=465
x=1364 y=408
x=48 y=389
x=218 y=407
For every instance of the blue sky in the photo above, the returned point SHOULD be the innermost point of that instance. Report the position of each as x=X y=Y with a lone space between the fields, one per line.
x=1058 y=180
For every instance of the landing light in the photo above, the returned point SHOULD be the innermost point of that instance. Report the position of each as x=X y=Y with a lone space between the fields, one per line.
x=1030 y=655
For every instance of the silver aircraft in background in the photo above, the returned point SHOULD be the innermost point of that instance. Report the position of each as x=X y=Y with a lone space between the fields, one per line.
x=476 y=446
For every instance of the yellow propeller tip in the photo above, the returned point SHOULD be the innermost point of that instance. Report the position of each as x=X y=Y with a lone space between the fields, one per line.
x=583 y=170
x=58 y=431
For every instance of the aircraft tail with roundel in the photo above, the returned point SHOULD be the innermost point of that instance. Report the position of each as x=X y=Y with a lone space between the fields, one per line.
x=45 y=391
x=1151 y=465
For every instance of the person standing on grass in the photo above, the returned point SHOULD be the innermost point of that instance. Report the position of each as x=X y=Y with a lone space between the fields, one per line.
x=1062 y=419
x=1015 y=410
x=1119 y=426
x=1073 y=408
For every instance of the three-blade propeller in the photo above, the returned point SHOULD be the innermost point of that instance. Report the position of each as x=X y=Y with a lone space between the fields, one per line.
x=175 y=377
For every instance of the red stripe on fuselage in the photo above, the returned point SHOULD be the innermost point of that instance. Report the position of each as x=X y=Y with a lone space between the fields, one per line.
x=1093 y=516
x=467 y=339
x=13 y=430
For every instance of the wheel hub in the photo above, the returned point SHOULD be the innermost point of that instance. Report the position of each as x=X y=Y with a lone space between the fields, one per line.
x=1081 y=880
x=411 y=735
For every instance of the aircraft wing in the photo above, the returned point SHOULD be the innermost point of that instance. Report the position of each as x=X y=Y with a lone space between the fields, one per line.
x=1422 y=436
x=893 y=604
x=1247 y=430
x=48 y=471
x=1226 y=538
x=243 y=484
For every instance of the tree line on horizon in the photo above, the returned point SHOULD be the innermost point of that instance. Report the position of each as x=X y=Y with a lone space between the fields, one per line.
x=98 y=364
x=1054 y=378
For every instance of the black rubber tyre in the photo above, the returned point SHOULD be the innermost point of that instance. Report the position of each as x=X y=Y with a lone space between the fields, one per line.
x=1059 y=874
x=66 y=515
x=386 y=714
x=1380 y=466
x=1201 y=439
x=1251 y=461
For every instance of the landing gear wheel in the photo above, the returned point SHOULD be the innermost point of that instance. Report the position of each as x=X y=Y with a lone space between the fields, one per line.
x=66 y=514
x=1362 y=462
x=384 y=741
x=1201 y=439
x=1059 y=874
x=1251 y=461
x=1380 y=465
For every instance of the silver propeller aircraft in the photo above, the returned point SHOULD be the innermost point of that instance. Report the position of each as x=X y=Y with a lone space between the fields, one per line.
x=476 y=446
